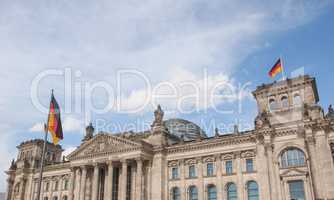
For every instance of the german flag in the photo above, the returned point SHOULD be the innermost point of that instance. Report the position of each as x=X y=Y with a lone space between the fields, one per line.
x=277 y=68
x=54 y=122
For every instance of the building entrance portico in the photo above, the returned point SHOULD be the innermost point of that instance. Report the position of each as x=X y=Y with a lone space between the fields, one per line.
x=111 y=180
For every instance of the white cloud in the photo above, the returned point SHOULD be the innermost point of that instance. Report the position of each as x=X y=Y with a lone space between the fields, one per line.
x=185 y=93
x=72 y=124
x=68 y=150
x=38 y=127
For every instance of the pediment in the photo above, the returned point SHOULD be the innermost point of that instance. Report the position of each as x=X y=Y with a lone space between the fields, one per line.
x=294 y=172
x=104 y=143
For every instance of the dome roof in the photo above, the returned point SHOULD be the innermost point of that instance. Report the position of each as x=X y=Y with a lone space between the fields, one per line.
x=179 y=127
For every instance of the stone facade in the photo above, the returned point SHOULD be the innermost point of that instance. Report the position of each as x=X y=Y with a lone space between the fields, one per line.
x=289 y=155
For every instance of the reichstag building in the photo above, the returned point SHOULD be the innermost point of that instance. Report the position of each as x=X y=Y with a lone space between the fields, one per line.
x=288 y=155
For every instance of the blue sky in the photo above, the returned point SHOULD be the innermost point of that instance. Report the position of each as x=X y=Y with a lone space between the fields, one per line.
x=167 y=41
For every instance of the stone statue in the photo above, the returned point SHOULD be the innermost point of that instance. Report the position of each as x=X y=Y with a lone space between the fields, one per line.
x=158 y=116
x=330 y=113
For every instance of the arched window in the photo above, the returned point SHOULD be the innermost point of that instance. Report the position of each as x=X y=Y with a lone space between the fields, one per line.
x=297 y=100
x=252 y=190
x=176 y=195
x=292 y=157
x=193 y=193
x=231 y=190
x=272 y=104
x=55 y=198
x=285 y=102
x=212 y=192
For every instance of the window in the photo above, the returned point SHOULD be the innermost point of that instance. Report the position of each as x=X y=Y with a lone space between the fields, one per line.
x=65 y=197
x=229 y=167
x=175 y=173
x=297 y=100
x=55 y=198
x=192 y=171
x=193 y=193
x=249 y=165
x=65 y=184
x=176 y=195
x=285 y=102
x=46 y=198
x=56 y=186
x=296 y=189
x=292 y=158
x=252 y=190
x=231 y=191
x=47 y=186
x=212 y=192
x=272 y=104
x=209 y=169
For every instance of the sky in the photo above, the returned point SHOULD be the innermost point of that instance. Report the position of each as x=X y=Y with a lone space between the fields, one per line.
x=112 y=62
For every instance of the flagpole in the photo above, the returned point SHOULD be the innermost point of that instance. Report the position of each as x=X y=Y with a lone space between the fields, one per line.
x=41 y=167
x=283 y=71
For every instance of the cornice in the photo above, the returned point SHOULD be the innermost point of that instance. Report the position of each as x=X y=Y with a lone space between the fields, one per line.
x=211 y=143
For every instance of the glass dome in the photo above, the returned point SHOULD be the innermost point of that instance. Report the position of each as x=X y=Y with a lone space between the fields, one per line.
x=179 y=127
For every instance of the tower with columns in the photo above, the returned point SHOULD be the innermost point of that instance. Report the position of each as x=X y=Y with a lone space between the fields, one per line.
x=288 y=155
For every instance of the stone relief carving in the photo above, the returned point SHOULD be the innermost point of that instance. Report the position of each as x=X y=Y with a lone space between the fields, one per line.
x=262 y=120
x=105 y=144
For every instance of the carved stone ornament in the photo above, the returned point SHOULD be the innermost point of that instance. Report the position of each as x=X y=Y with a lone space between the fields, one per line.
x=262 y=120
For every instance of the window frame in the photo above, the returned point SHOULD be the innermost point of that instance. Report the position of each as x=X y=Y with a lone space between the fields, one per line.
x=192 y=171
x=229 y=194
x=192 y=190
x=174 y=173
x=229 y=167
x=292 y=157
x=210 y=171
x=249 y=166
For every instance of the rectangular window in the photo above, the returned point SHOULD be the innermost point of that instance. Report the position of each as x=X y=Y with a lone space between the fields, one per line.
x=249 y=165
x=175 y=173
x=56 y=186
x=192 y=171
x=297 y=190
x=209 y=169
x=229 y=167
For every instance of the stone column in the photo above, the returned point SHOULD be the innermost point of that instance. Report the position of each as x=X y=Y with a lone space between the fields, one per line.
x=83 y=182
x=219 y=176
x=76 y=195
x=22 y=189
x=182 y=179
x=95 y=187
x=124 y=179
x=71 y=188
x=200 y=179
x=240 y=183
x=272 y=177
x=109 y=181
x=10 y=183
x=139 y=180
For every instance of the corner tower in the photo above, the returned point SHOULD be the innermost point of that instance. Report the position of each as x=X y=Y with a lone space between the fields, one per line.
x=286 y=101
